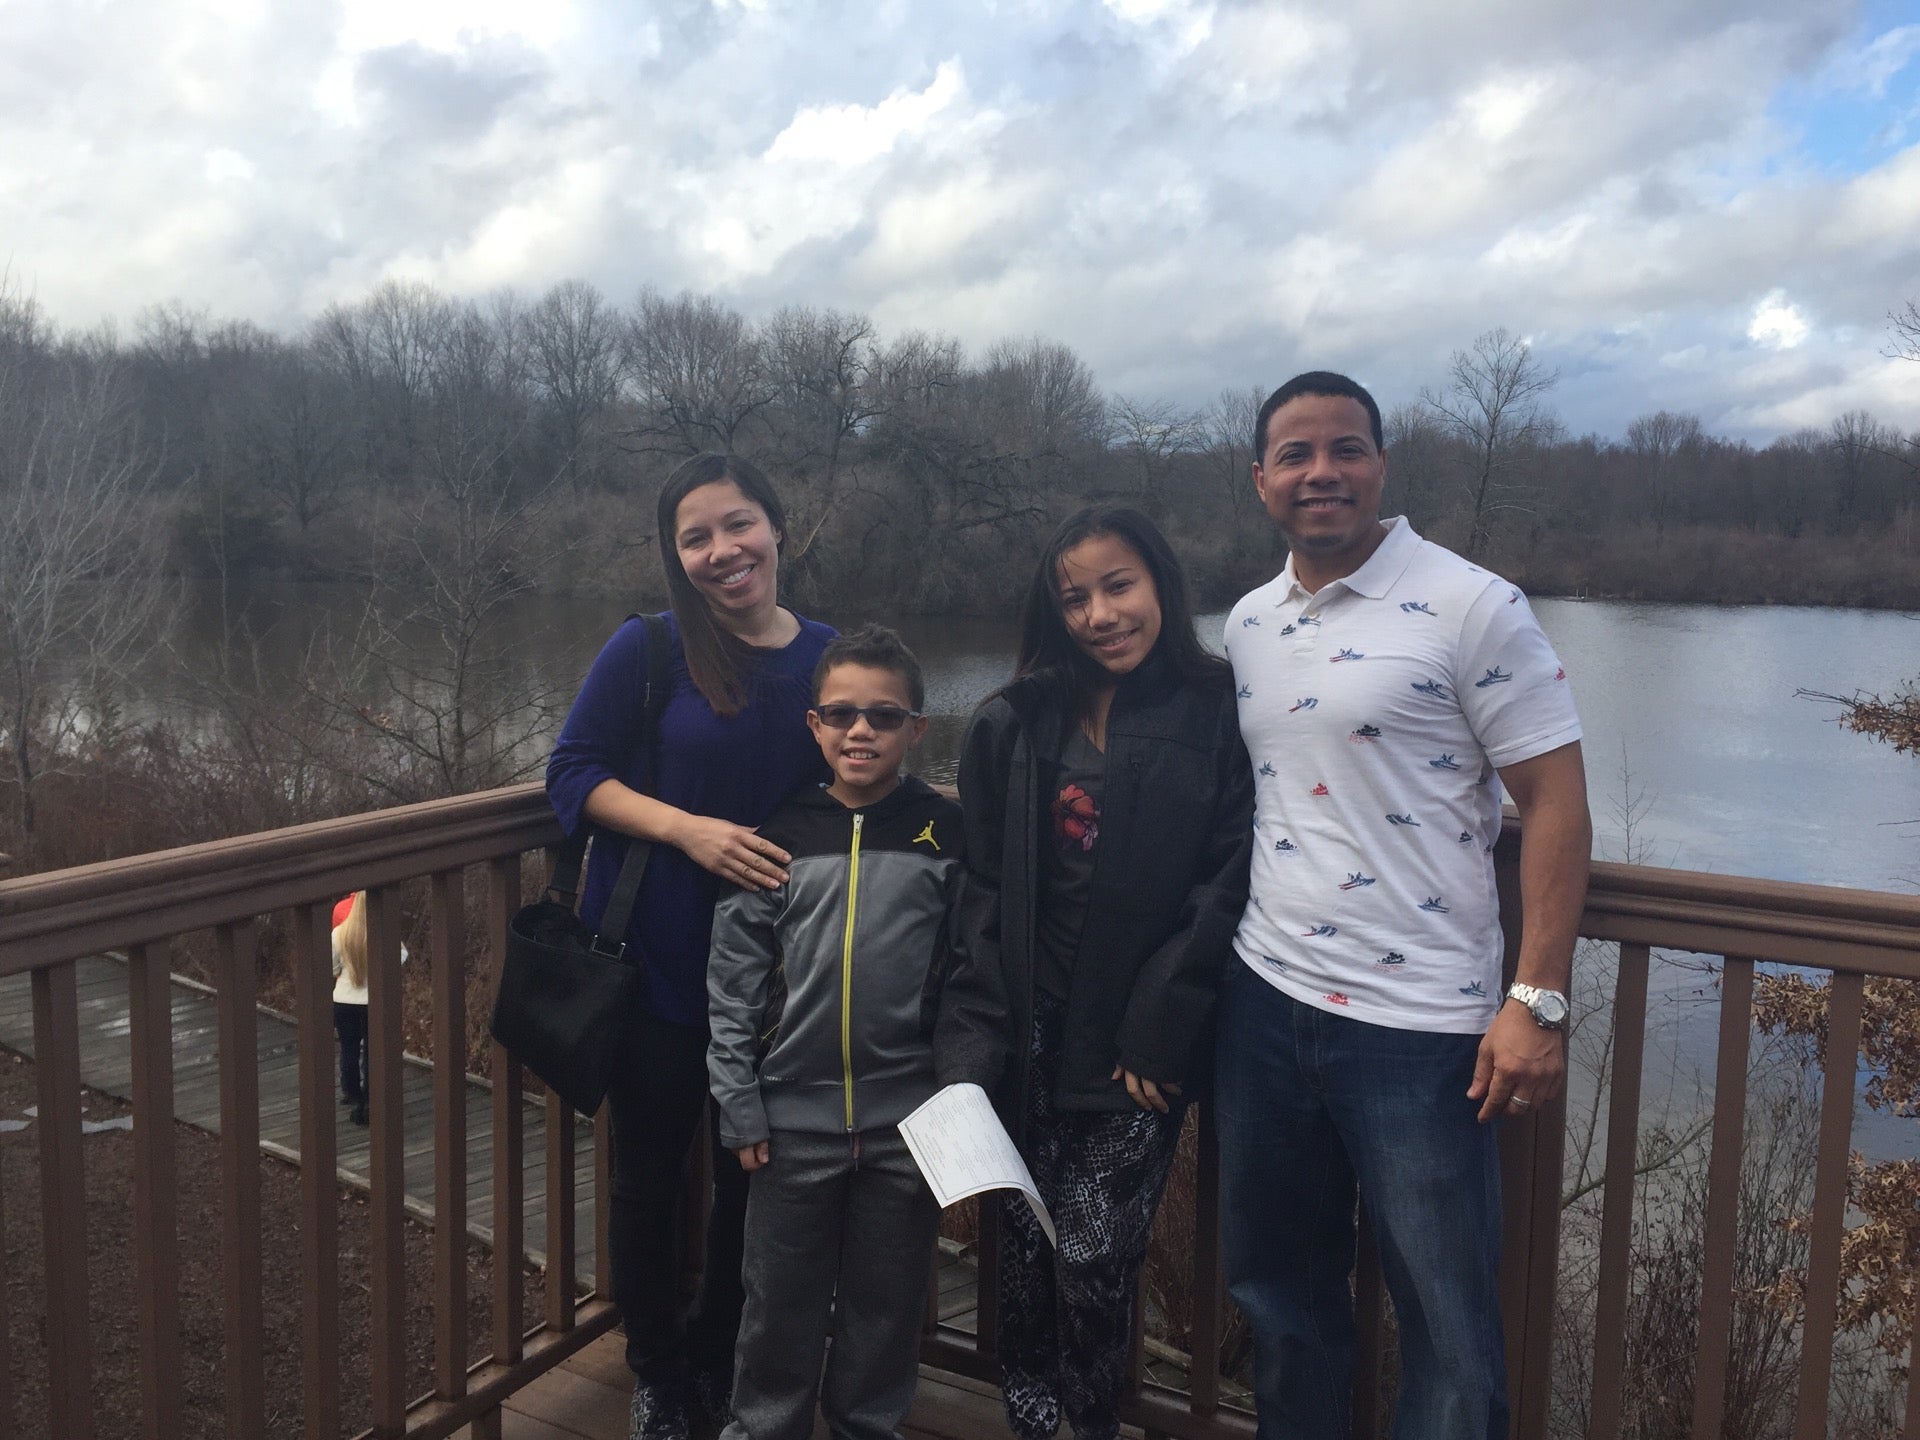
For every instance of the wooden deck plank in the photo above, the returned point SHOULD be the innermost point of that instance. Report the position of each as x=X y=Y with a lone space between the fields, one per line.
x=586 y=1398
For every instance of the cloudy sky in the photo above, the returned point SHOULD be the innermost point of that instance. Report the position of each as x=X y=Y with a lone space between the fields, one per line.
x=1707 y=205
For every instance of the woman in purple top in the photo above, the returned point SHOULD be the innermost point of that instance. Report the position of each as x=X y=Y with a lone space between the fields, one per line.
x=733 y=744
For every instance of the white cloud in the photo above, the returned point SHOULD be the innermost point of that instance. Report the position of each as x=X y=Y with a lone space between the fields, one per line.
x=223 y=164
x=451 y=25
x=848 y=135
x=1776 y=324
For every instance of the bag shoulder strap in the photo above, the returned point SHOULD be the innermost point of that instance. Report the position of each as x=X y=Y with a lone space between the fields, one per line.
x=566 y=865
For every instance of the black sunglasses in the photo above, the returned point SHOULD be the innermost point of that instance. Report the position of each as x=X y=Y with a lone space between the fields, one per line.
x=881 y=717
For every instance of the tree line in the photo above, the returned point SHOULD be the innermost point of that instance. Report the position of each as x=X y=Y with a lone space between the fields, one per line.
x=920 y=477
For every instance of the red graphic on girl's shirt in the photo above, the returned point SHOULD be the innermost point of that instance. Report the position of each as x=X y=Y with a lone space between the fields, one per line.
x=1076 y=819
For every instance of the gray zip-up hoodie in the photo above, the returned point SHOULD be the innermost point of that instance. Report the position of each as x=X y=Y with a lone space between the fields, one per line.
x=881 y=1006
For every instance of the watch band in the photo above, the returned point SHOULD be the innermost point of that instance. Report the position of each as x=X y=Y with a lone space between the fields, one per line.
x=1549 y=1008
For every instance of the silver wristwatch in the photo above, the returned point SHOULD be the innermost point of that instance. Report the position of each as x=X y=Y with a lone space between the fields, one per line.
x=1548 y=1007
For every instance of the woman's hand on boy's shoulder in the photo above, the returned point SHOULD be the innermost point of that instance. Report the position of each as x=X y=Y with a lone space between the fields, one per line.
x=752 y=1157
x=733 y=852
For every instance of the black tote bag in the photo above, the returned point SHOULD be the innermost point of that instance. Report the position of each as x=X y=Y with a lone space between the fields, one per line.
x=568 y=995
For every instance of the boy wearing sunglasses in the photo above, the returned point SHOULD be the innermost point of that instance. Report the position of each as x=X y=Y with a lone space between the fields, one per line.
x=838 y=1004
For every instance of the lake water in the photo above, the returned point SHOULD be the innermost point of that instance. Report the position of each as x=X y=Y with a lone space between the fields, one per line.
x=1690 y=707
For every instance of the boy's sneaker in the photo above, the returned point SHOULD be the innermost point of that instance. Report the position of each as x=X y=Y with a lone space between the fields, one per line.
x=713 y=1397
x=659 y=1411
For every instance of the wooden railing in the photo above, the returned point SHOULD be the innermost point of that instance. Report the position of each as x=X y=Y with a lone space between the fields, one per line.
x=141 y=906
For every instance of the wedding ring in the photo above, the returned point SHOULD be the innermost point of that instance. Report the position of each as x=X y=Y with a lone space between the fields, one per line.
x=1516 y=1100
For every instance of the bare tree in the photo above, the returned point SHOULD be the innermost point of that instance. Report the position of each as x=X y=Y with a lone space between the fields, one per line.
x=1416 y=459
x=1660 y=444
x=1150 y=433
x=1227 y=437
x=80 y=577
x=697 y=374
x=1905 y=344
x=575 y=340
x=294 y=431
x=824 y=367
x=1044 y=397
x=385 y=346
x=1492 y=405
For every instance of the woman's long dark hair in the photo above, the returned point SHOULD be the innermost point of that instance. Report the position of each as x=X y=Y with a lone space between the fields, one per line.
x=717 y=663
x=1046 y=649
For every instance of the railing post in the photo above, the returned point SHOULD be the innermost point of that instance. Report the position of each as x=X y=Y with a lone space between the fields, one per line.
x=561 y=1277
x=1203 y=1381
x=1841 y=1064
x=156 y=1229
x=1720 y=1244
x=449 y=962
x=602 y=1202
x=319 y=1190
x=386 y=1165
x=509 y=1180
x=1616 y=1222
x=63 y=1201
x=240 y=1178
x=6 y=1348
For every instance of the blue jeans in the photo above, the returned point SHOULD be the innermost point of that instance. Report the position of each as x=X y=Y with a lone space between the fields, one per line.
x=1307 y=1102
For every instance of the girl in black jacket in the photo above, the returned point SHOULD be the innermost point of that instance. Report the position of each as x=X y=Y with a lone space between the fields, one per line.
x=1109 y=813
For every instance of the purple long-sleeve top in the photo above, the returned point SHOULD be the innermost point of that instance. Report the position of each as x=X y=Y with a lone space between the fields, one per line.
x=735 y=769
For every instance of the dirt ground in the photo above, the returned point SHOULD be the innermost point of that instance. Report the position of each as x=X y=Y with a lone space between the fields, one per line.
x=110 y=1279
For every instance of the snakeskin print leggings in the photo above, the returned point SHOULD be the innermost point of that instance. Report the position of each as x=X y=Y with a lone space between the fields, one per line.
x=1066 y=1315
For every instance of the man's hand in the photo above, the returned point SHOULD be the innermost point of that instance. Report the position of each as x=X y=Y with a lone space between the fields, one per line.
x=752 y=1157
x=1521 y=1065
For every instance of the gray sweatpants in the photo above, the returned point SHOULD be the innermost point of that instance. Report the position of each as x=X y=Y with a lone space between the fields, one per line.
x=839 y=1245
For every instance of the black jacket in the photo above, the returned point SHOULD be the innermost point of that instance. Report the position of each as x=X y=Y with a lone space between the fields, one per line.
x=1169 y=876
x=881 y=1008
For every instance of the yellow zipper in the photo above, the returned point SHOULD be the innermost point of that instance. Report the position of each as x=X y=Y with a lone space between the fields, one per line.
x=846 y=969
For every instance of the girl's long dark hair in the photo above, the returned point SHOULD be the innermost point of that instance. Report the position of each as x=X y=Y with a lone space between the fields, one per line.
x=1046 y=649
x=717 y=663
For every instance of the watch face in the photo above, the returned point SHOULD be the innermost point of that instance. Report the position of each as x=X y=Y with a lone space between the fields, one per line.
x=1550 y=1008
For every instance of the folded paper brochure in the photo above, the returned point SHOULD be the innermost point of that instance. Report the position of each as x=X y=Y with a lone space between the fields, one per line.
x=962 y=1149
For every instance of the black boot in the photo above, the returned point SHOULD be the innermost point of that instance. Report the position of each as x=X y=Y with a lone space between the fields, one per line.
x=659 y=1411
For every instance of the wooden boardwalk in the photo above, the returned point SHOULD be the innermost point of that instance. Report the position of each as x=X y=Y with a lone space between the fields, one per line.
x=106 y=1063
x=586 y=1398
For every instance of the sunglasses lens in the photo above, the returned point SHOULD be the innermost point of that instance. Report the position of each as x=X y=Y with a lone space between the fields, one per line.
x=880 y=717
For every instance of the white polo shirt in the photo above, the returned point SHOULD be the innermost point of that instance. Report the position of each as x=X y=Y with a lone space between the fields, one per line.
x=1376 y=713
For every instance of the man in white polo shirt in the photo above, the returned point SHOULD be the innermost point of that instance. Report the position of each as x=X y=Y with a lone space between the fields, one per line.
x=1388 y=691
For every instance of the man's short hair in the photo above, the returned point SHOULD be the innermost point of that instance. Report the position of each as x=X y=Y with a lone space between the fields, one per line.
x=1316 y=382
x=879 y=648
